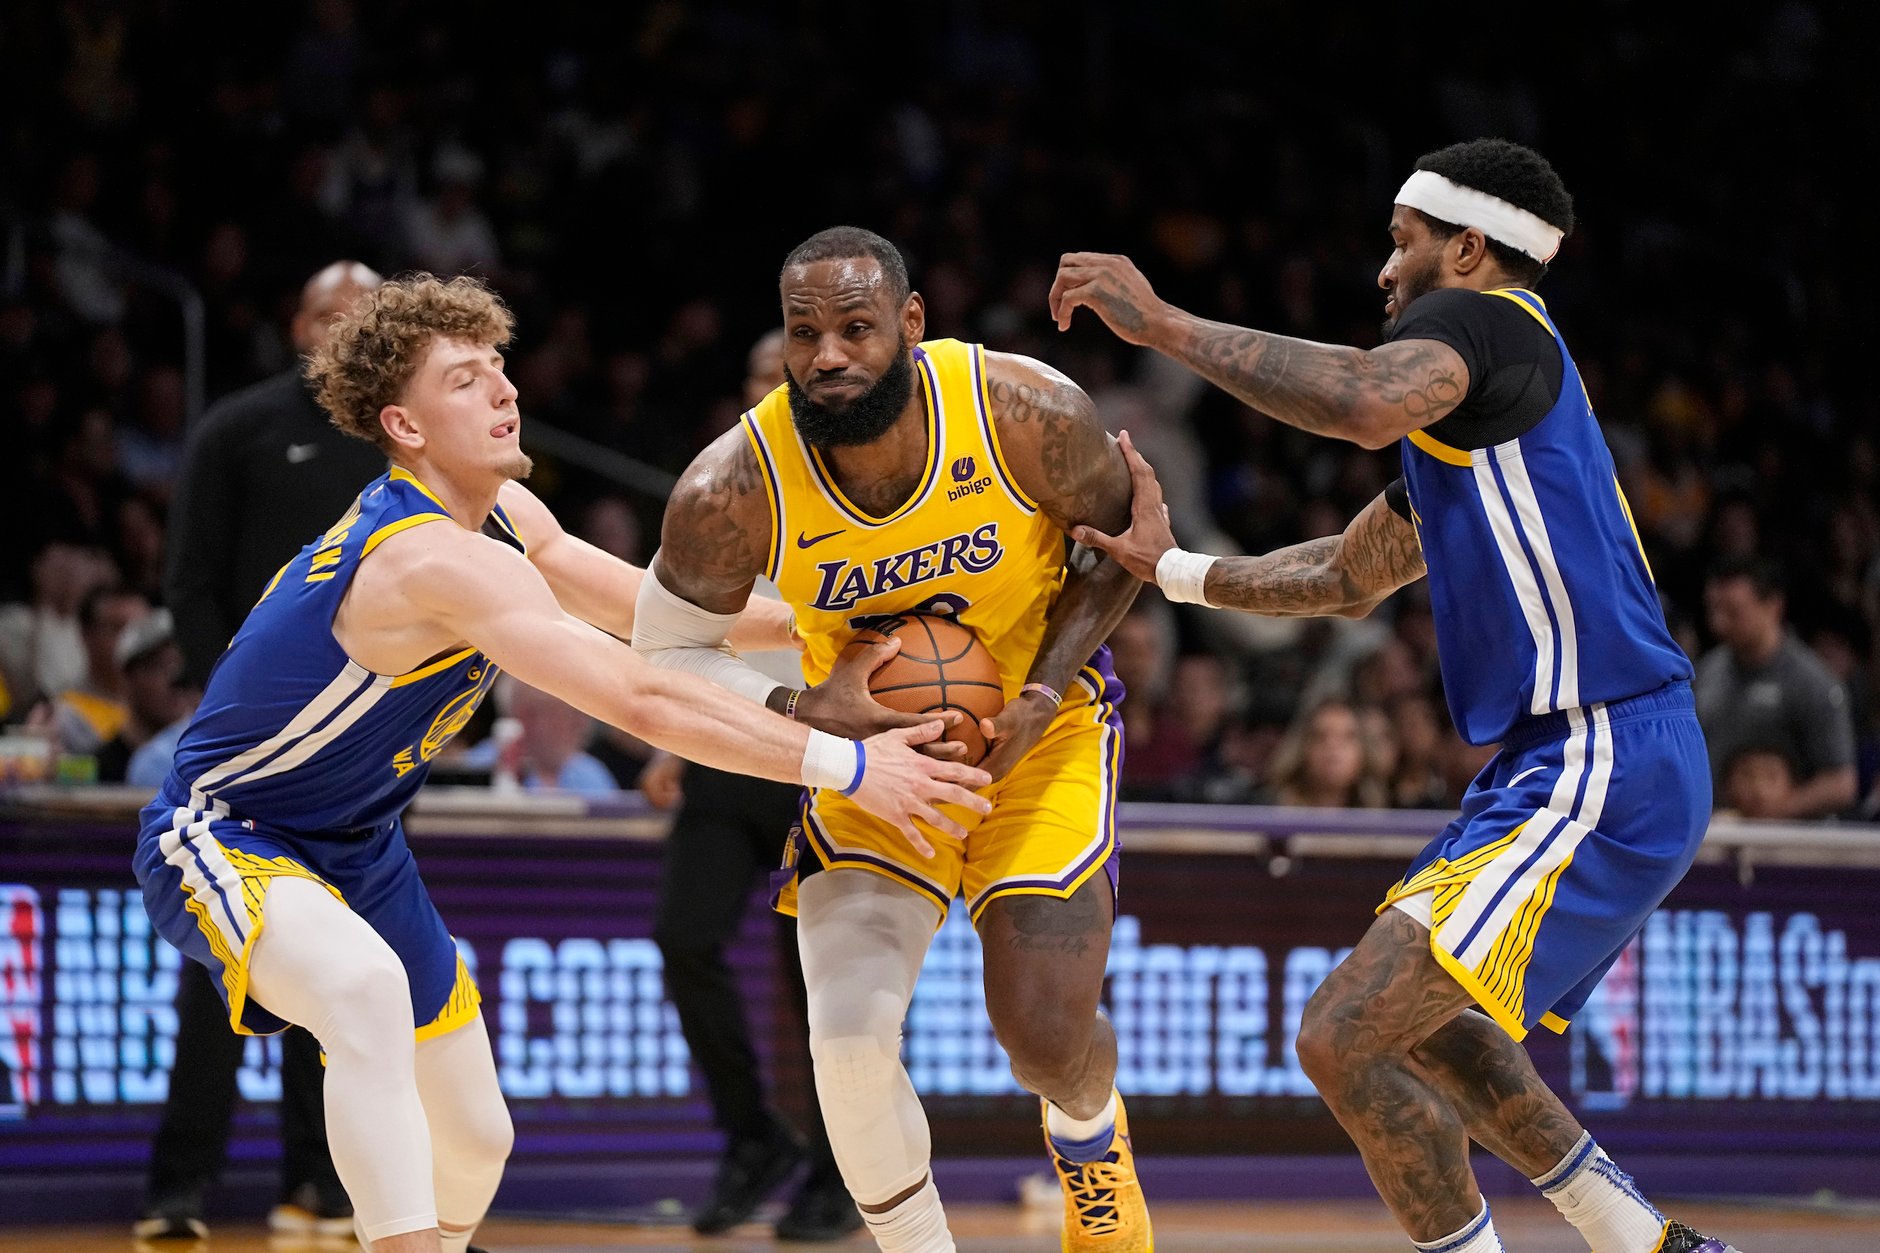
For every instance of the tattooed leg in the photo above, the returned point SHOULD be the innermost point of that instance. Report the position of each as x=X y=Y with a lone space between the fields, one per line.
x=1044 y=977
x=1490 y=1081
x=1356 y=1042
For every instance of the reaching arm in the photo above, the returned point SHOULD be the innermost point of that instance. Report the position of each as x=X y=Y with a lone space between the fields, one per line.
x=1368 y=397
x=491 y=597
x=1345 y=575
x=713 y=541
x=599 y=588
x=1068 y=464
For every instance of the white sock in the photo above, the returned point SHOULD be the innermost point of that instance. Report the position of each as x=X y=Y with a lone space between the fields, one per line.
x=1477 y=1237
x=916 y=1225
x=1064 y=1127
x=1602 y=1202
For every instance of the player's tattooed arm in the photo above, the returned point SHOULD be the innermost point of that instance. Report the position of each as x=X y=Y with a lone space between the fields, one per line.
x=1072 y=469
x=1372 y=398
x=715 y=538
x=1369 y=397
x=1346 y=575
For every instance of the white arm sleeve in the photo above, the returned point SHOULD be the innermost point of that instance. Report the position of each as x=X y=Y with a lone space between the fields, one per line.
x=675 y=634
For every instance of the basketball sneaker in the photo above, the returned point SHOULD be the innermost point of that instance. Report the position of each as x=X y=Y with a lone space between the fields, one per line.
x=1104 y=1211
x=1681 y=1239
x=174 y=1218
x=309 y=1211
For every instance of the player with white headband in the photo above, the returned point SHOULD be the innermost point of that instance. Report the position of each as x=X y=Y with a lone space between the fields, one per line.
x=1552 y=645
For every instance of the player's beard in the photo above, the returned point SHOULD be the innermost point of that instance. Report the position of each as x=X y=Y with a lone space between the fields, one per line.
x=1412 y=285
x=864 y=419
x=518 y=468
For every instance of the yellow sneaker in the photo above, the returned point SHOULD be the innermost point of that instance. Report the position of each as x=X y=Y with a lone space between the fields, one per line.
x=1103 y=1207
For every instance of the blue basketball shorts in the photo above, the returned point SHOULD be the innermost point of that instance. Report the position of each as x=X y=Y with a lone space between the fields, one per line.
x=1568 y=839
x=205 y=877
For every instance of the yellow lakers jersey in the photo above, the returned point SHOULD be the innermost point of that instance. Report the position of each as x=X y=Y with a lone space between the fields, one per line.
x=968 y=542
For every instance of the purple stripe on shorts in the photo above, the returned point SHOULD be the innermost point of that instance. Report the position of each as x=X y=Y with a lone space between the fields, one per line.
x=1108 y=849
x=826 y=850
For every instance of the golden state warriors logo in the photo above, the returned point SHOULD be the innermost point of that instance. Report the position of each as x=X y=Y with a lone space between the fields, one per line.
x=843 y=582
x=452 y=718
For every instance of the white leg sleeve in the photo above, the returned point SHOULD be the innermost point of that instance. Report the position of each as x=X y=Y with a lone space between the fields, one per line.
x=863 y=939
x=321 y=966
x=470 y=1129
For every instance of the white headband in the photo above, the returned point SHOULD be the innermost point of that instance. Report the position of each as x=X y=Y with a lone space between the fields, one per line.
x=1493 y=216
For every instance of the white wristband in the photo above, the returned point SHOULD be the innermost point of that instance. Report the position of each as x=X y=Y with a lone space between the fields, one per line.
x=832 y=762
x=1182 y=576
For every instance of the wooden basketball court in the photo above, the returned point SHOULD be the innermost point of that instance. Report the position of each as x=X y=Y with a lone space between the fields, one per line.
x=1528 y=1225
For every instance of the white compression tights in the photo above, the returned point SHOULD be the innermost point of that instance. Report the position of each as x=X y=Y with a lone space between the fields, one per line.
x=417 y=1133
x=863 y=938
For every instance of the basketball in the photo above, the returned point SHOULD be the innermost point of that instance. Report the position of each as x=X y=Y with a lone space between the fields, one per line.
x=941 y=665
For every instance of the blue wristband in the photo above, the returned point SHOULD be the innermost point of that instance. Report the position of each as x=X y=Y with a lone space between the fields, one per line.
x=861 y=764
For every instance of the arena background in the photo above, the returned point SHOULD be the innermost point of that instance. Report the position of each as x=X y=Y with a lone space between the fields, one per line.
x=629 y=178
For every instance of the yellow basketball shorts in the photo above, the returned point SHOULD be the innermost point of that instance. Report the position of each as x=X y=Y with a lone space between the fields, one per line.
x=1052 y=825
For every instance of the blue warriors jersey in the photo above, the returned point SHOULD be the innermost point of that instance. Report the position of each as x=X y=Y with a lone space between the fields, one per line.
x=292 y=732
x=1540 y=590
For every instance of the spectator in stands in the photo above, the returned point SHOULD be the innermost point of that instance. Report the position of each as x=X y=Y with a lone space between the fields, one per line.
x=1143 y=648
x=42 y=650
x=152 y=664
x=92 y=712
x=1416 y=781
x=1323 y=762
x=447 y=232
x=550 y=748
x=1761 y=685
x=1204 y=699
x=1758 y=782
x=610 y=523
x=77 y=500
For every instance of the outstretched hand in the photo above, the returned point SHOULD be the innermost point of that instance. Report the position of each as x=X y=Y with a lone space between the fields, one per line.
x=1109 y=286
x=1140 y=548
x=900 y=783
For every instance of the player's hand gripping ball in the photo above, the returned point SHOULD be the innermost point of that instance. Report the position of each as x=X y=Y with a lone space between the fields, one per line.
x=942 y=665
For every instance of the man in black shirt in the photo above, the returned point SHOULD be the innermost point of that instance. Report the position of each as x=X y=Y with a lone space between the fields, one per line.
x=265 y=472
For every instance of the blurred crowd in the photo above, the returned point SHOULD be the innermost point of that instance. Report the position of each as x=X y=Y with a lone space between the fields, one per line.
x=632 y=196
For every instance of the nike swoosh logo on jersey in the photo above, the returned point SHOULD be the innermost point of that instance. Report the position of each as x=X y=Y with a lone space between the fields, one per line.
x=804 y=541
x=297 y=453
x=1524 y=774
